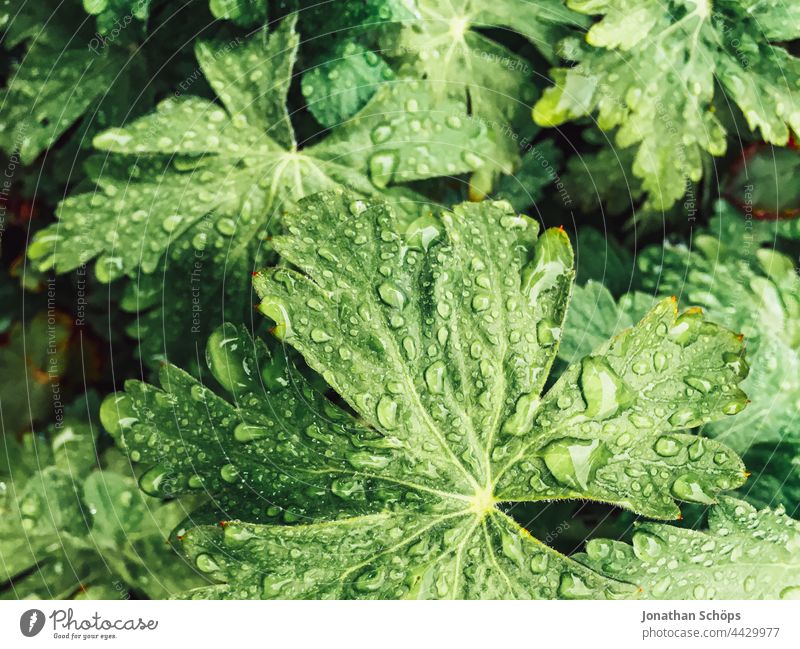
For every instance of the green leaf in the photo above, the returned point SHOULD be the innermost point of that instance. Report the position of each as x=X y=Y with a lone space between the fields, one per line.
x=245 y=13
x=67 y=527
x=751 y=289
x=651 y=70
x=538 y=169
x=341 y=85
x=198 y=186
x=753 y=555
x=765 y=186
x=600 y=258
x=446 y=44
x=67 y=75
x=601 y=181
x=439 y=336
x=114 y=16
x=594 y=317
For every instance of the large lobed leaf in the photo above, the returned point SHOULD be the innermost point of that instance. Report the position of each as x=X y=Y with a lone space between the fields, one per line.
x=439 y=336
x=199 y=184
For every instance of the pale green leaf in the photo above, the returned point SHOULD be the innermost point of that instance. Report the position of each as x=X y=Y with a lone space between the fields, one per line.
x=651 y=69
x=66 y=527
x=752 y=555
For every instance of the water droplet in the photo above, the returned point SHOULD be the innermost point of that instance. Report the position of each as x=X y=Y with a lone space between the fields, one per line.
x=381 y=133
x=229 y=473
x=371 y=580
x=571 y=586
x=689 y=488
x=696 y=450
x=481 y=301
x=792 y=592
x=604 y=391
x=434 y=377
x=205 y=563
x=387 y=412
x=667 y=446
x=648 y=547
x=512 y=548
x=276 y=310
x=171 y=223
x=574 y=462
x=520 y=422
x=392 y=295
x=319 y=335
x=348 y=488
x=248 y=432
x=422 y=232
x=226 y=226
x=366 y=461
x=382 y=166
x=538 y=563
x=472 y=160
x=152 y=480
x=685 y=418
x=698 y=383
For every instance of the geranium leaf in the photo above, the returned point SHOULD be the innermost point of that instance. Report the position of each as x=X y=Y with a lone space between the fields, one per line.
x=651 y=70
x=753 y=553
x=439 y=335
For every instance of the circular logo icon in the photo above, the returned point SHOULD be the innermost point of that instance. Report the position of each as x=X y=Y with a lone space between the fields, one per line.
x=31 y=622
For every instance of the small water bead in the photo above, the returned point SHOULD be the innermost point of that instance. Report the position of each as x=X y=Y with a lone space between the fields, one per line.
x=366 y=461
x=647 y=546
x=689 y=488
x=697 y=449
x=685 y=418
x=472 y=160
x=348 y=488
x=205 y=563
x=481 y=301
x=152 y=481
x=434 y=377
x=603 y=390
x=382 y=167
x=792 y=592
x=571 y=586
x=667 y=446
x=319 y=335
x=226 y=226
x=249 y=432
x=387 y=412
x=276 y=310
x=574 y=462
x=392 y=295
x=229 y=473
